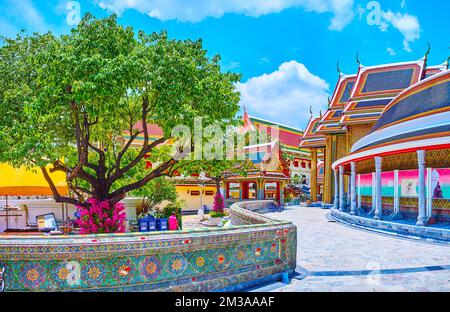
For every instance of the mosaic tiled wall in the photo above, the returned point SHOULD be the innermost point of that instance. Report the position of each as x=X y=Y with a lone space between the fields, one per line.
x=199 y=260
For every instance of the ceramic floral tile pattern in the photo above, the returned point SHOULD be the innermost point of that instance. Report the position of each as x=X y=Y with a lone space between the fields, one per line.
x=190 y=260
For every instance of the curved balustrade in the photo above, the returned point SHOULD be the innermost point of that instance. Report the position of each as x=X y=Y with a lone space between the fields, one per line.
x=203 y=259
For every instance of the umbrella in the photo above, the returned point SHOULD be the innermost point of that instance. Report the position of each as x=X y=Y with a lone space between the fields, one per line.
x=28 y=182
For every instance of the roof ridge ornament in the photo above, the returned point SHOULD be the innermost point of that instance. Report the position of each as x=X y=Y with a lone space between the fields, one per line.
x=448 y=61
x=428 y=51
x=339 y=69
x=357 y=59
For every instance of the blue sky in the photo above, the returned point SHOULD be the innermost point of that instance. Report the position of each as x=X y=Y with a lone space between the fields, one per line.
x=286 y=50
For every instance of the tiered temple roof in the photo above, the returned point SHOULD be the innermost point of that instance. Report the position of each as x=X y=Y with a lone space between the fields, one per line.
x=376 y=86
x=361 y=98
x=330 y=123
x=289 y=136
x=311 y=138
x=433 y=70
x=418 y=118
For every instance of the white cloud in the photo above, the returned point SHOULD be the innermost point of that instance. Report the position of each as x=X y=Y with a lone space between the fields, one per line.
x=197 y=10
x=391 y=51
x=285 y=95
x=408 y=25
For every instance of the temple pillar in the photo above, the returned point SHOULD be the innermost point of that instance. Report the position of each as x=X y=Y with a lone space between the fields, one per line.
x=336 y=188
x=421 y=218
x=241 y=191
x=374 y=196
x=353 y=206
x=341 y=189
x=281 y=186
x=328 y=171
x=378 y=197
x=313 y=181
x=360 y=209
x=227 y=190
x=259 y=189
x=396 y=215
x=430 y=194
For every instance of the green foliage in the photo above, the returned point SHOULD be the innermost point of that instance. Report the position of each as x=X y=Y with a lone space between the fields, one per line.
x=71 y=97
x=216 y=214
x=170 y=208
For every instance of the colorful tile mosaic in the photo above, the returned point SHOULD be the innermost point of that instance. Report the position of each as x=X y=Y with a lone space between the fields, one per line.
x=201 y=259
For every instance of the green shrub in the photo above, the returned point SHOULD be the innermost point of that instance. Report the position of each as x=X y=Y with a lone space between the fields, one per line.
x=176 y=206
x=216 y=214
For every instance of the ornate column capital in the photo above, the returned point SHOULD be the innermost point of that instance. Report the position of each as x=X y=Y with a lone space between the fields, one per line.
x=421 y=157
x=378 y=162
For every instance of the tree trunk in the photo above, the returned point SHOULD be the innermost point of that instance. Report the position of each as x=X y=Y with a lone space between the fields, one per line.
x=217 y=185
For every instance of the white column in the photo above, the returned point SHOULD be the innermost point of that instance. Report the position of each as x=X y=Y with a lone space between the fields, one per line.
x=396 y=215
x=421 y=218
x=374 y=192
x=378 y=198
x=336 y=188
x=341 y=188
x=430 y=193
x=353 y=207
x=359 y=194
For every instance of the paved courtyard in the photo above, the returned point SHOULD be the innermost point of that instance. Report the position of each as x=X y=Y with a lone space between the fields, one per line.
x=335 y=257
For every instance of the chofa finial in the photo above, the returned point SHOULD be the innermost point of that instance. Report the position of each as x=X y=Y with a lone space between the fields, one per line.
x=428 y=50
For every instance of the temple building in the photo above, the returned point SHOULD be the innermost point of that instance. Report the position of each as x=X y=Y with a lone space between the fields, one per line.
x=298 y=158
x=276 y=163
x=401 y=168
x=369 y=116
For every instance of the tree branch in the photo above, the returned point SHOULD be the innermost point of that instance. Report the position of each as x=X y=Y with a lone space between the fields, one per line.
x=57 y=197
x=121 y=192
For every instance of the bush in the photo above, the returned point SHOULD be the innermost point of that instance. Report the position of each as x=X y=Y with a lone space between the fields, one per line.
x=167 y=211
x=101 y=217
x=215 y=214
x=219 y=203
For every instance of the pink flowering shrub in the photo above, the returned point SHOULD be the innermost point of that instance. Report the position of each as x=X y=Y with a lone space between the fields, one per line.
x=219 y=203
x=101 y=217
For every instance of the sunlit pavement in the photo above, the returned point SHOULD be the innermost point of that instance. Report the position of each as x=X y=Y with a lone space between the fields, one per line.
x=335 y=257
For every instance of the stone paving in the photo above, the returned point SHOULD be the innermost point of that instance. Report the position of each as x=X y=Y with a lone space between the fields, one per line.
x=191 y=222
x=335 y=257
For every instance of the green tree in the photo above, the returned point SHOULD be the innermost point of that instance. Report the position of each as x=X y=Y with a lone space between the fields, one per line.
x=67 y=100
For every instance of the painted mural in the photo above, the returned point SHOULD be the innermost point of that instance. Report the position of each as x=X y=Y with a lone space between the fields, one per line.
x=440 y=183
x=365 y=184
x=408 y=183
